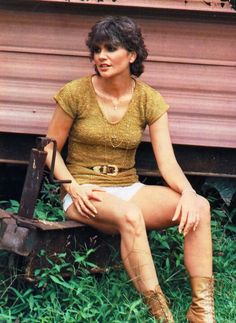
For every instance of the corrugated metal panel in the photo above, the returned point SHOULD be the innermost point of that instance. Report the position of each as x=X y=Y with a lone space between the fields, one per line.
x=199 y=5
x=191 y=62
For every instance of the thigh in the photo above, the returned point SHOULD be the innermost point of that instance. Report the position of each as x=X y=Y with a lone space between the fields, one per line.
x=158 y=204
x=111 y=210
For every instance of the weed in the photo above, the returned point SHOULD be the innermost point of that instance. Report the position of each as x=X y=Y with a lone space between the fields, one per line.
x=111 y=298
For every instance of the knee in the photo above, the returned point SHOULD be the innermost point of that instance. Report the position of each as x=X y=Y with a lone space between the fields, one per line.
x=205 y=210
x=132 y=221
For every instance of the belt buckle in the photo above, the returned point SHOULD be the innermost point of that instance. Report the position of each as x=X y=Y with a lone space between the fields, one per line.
x=110 y=170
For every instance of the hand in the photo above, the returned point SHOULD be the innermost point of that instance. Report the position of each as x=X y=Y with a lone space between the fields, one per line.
x=82 y=196
x=187 y=211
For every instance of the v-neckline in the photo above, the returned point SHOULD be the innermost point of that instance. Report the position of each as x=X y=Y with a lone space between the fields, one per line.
x=100 y=109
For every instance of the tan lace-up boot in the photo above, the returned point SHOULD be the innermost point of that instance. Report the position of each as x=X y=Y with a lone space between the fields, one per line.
x=202 y=308
x=157 y=305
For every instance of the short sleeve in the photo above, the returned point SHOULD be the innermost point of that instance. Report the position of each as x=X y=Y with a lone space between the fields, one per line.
x=66 y=100
x=156 y=106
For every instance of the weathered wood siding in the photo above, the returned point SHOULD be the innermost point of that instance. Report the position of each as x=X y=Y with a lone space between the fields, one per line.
x=199 y=5
x=192 y=62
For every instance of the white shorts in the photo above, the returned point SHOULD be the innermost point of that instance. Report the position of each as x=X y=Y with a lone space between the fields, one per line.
x=123 y=192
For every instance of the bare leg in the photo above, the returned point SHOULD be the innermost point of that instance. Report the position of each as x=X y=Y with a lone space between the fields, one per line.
x=158 y=205
x=117 y=216
x=153 y=207
x=136 y=256
x=198 y=245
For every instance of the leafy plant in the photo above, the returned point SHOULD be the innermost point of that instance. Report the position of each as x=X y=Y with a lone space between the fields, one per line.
x=48 y=206
x=222 y=197
x=11 y=206
x=111 y=298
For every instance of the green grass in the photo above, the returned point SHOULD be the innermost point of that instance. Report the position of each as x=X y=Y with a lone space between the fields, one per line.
x=111 y=298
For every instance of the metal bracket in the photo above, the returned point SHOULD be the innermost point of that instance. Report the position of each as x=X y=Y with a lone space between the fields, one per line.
x=34 y=176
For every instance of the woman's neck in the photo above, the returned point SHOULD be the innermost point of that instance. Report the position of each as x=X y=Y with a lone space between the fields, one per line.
x=113 y=87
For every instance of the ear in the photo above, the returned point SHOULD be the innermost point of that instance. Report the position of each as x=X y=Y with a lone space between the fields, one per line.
x=133 y=56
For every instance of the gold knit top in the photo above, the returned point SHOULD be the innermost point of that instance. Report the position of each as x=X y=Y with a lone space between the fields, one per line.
x=94 y=141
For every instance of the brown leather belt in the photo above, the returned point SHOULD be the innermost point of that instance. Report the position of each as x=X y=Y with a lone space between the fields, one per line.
x=111 y=170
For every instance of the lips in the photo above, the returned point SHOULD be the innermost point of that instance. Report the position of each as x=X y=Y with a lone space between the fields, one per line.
x=104 y=65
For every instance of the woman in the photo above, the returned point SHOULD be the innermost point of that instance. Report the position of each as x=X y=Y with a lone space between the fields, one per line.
x=104 y=116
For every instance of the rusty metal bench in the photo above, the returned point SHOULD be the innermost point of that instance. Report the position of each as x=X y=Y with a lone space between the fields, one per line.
x=25 y=235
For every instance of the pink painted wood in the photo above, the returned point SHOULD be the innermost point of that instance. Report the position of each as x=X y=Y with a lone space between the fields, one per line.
x=192 y=62
x=198 y=5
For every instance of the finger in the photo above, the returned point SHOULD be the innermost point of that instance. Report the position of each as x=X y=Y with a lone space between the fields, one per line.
x=92 y=193
x=99 y=189
x=78 y=208
x=182 y=221
x=190 y=223
x=177 y=212
x=196 y=223
x=94 y=197
x=85 y=204
x=90 y=205
x=87 y=207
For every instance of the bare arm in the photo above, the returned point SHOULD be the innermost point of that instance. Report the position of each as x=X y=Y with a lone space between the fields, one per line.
x=59 y=129
x=163 y=150
x=187 y=210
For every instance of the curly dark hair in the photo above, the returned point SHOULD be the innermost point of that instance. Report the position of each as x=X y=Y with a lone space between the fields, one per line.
x=119 y=31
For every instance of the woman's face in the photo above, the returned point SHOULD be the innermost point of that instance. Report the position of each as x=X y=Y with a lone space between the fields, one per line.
x=112 y=61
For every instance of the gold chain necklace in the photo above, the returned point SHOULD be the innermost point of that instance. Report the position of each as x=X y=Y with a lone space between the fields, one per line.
x=113 y=140
x=112 y=136
x=116 y=101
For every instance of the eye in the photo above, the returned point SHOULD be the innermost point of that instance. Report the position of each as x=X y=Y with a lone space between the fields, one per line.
x=111 y=48
x=96 y=50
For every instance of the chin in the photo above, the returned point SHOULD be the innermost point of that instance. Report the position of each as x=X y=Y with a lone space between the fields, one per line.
x=105 y=75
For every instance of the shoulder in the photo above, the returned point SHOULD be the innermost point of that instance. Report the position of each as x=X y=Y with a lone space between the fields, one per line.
x=81 y=84
x=71 y=96
x=147 y=91
x=152 y=104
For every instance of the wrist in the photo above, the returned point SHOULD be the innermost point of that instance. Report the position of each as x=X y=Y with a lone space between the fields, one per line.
x=67 y=186
x=188 y=190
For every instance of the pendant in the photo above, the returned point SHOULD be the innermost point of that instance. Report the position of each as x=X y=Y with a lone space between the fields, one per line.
x=115 y=142
x=115 y=103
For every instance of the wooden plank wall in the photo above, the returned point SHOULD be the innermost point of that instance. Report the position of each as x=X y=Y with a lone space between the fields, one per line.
x=192 y=62
x=199 y=5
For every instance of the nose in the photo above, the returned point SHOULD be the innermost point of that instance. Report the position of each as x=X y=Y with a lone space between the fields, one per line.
x=102 y=54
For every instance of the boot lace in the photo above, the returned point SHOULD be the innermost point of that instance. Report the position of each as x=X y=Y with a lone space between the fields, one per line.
x=209 y=303
x=158 y=297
